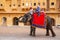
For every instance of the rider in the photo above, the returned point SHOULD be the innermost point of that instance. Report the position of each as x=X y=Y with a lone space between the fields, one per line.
x=38 y=10
x=31 y=10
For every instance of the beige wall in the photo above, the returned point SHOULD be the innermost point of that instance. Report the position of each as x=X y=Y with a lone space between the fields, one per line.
x=11 y=14
x=7 y=8
x=9 y=17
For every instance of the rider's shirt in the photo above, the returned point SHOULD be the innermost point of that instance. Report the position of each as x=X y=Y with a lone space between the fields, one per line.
x=31 y=11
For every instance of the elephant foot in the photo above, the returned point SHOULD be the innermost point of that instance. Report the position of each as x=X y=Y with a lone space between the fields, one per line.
x=47 y=34
x=53 y=35
x=33 y=35
x=30 y=34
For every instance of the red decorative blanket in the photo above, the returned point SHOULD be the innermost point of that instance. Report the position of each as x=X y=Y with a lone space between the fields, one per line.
x=38 y=21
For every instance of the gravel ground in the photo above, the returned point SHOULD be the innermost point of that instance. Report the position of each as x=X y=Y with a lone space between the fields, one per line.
x=22 y=33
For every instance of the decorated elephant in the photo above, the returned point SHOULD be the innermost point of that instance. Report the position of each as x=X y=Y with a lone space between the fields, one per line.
x=48 y=24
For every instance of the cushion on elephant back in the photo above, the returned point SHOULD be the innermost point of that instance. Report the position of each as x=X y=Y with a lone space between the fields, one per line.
x=38 y=21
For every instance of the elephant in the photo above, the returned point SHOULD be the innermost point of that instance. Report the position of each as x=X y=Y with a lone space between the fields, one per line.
x=28 y=18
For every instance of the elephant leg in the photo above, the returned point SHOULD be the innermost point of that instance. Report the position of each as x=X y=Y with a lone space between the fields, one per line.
x=34 y=29
x=31 y=30
x=53 y=34
x=47 y=31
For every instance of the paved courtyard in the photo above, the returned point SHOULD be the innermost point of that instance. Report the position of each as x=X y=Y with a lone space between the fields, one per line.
x=22 y=33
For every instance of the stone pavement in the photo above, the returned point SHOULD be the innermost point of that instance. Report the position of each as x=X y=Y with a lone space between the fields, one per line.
x=22 y=33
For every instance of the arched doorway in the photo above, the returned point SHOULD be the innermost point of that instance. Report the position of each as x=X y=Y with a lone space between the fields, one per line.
x=4 y=21
x=53 y=21
x=15 y=21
